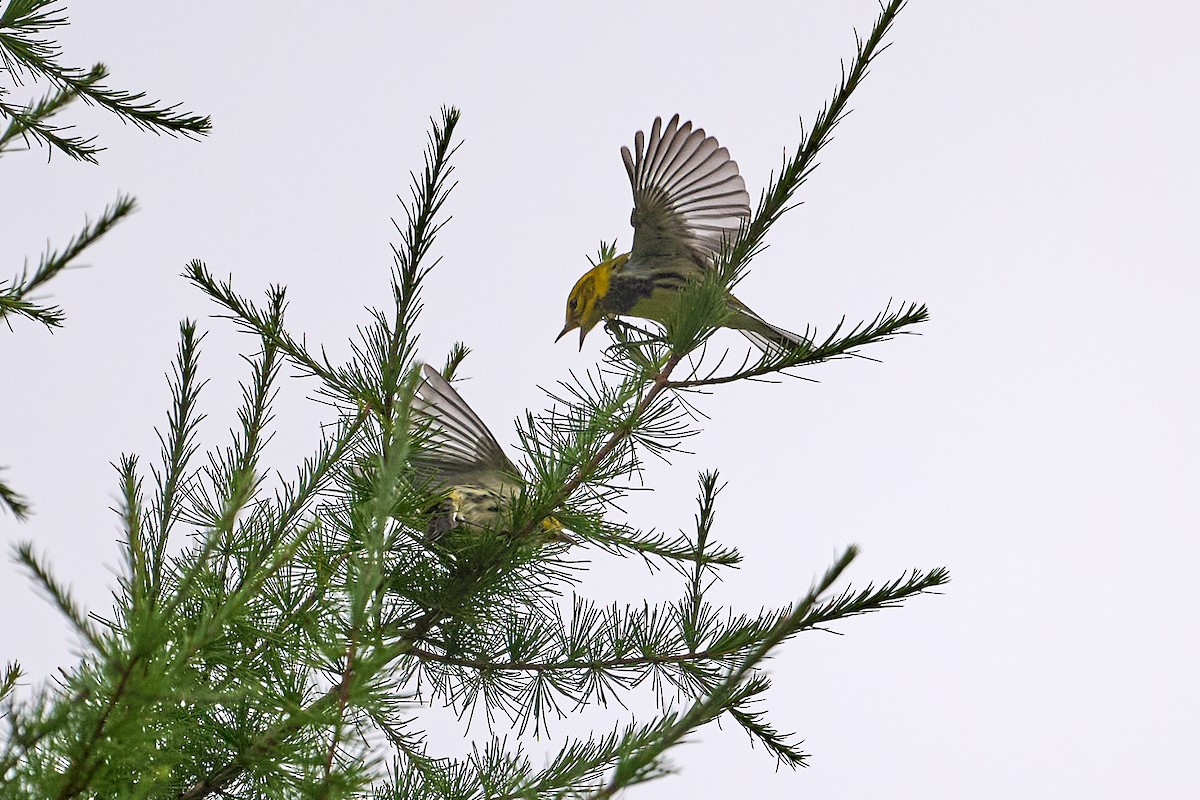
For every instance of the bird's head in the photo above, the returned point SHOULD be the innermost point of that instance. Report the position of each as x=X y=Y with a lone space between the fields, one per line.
x=583 y=310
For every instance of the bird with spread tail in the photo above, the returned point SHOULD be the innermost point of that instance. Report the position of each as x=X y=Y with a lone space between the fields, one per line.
x=688 y=201
x=459 y=456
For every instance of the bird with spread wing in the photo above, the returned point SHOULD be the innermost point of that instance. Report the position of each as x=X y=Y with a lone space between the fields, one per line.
x=458 y=455
x=688 y=201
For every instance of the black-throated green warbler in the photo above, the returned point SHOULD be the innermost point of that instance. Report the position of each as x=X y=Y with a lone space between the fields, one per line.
x=687 y=199
x=459 y=456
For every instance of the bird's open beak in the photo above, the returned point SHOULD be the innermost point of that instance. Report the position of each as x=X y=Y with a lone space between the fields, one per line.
x=570 y=326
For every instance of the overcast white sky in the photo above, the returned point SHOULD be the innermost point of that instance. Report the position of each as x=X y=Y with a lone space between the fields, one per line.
x=1028 y=169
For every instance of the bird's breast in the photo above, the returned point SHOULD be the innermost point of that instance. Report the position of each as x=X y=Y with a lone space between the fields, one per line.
x=624 y=293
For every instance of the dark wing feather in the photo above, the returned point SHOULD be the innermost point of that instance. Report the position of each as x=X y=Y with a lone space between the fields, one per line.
x=455 y=446
x=687 y=194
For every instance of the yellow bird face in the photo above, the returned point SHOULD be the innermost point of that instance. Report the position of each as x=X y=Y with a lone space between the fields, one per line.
x=583 y=303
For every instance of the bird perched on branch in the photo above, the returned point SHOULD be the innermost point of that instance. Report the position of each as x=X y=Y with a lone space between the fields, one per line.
x=458 y=455
x=688 y=199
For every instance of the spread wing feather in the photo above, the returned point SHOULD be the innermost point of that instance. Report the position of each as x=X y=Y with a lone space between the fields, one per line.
x=455 y=444
x=687 y=193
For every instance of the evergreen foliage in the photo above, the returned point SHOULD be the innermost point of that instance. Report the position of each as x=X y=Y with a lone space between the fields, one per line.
x=29 y=58
x=270 y=636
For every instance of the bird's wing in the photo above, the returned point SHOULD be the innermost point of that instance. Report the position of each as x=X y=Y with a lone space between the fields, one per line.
x=454 y=444
x=687 y=193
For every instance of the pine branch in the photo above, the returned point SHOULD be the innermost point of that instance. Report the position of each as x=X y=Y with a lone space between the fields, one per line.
x=497 y=773
x=450 y=605
x=142 y=651
x=288 y=532
x=428 y=194
x=249 y=318
x=385 y=356
x=14 y=296
x=697 y=625
x=30 y=729
x=851 y=603
x=207 y=627
x=885 y=325
x=619 y=435
x=25 y=51
x=59 y=594
x=795 y=171
x=578 y=764
x=83 y=764
x=488 y=664
x=178 y=446
x=591 y=627
x=17 y=505
x=390 y=347
x=742 y=684
x=636 y=750
x=294 y=721
x=674 y=550
x=683 y=644
x=8 y=681
x=233 y=473
x=32 y=121
x=141 y=581
x=343 y=698
x=692 y=625
x=640 y=762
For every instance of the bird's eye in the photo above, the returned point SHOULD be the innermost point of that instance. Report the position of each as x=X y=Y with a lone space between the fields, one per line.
x=573 y=303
